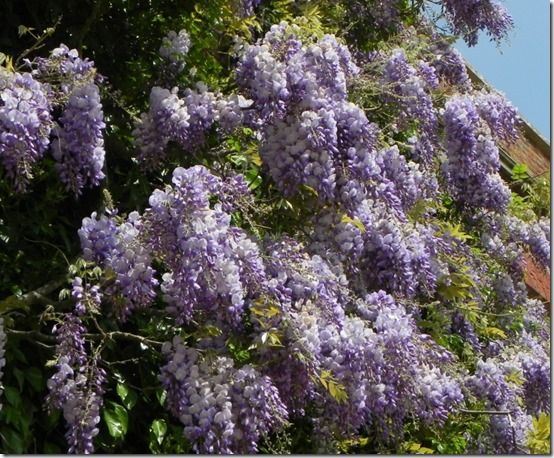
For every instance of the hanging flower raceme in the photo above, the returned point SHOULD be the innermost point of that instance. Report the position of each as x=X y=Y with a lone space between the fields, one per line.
x=224 y=409
x=77 y=386
x=78 y=146
x=119 y=249
x=25 y=125
x=471 y=169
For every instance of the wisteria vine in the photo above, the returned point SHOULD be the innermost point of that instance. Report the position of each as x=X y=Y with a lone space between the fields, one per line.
x=377 y=313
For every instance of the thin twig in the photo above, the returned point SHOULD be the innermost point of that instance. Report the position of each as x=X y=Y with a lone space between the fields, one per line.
x=114 y=335
x=486 y=412
x=39 y=43
x=38 y=336
x=120 y=335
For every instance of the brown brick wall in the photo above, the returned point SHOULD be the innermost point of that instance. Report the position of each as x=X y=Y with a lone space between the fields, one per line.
x=537 y=279
x=532 y=153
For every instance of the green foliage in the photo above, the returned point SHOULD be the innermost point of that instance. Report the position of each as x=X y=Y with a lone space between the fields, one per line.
x=116 y=418
x=335 y=389
x=539 y=437
x=532 y=198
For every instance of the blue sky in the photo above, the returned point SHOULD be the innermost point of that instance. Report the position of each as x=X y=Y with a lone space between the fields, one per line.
x=520 y=67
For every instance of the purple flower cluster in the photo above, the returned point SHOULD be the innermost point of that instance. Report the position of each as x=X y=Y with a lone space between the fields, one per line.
x=246 y=8
x=385 y=370
x=507 y=432
x=175 y=46
x=78 y=146
x=539 y=244
x=536 y=372
x=208 y=263
x=66 y=64
x=471 y=169
x=166 y=119
x=312 y=136
x=450 y=65
x=461 y=326
x=76 y=386
x=408 y=88
x=224 y=410
x=86 y=298
x=500 y=115
x=25 y=124
x=185 y=120
x=468 y=17
x=118 y=247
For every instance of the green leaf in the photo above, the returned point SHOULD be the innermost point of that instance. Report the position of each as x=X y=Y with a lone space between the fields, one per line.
x=355 y=221
x=520 y=172
x=158 y=429
x=116 y=419
x=161 y=395
x=20 y=376
x=12 y=395
x=539 y=436
x=23 y=30
x=335 y=389
x=34 y=377
x=127 y=395
x=493 y=332
x=418 y=449
x=13 y=440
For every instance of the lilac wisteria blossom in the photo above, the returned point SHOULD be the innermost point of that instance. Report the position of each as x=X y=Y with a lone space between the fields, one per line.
x=25 y=125
x=77 y=386
x=78 y=145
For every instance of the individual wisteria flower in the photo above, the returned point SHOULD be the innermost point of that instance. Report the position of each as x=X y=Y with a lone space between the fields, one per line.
x=3 y=340
x=25 y=125
x=224 y=409
x=468 y=17
x=78 y=145
x=77 y=386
